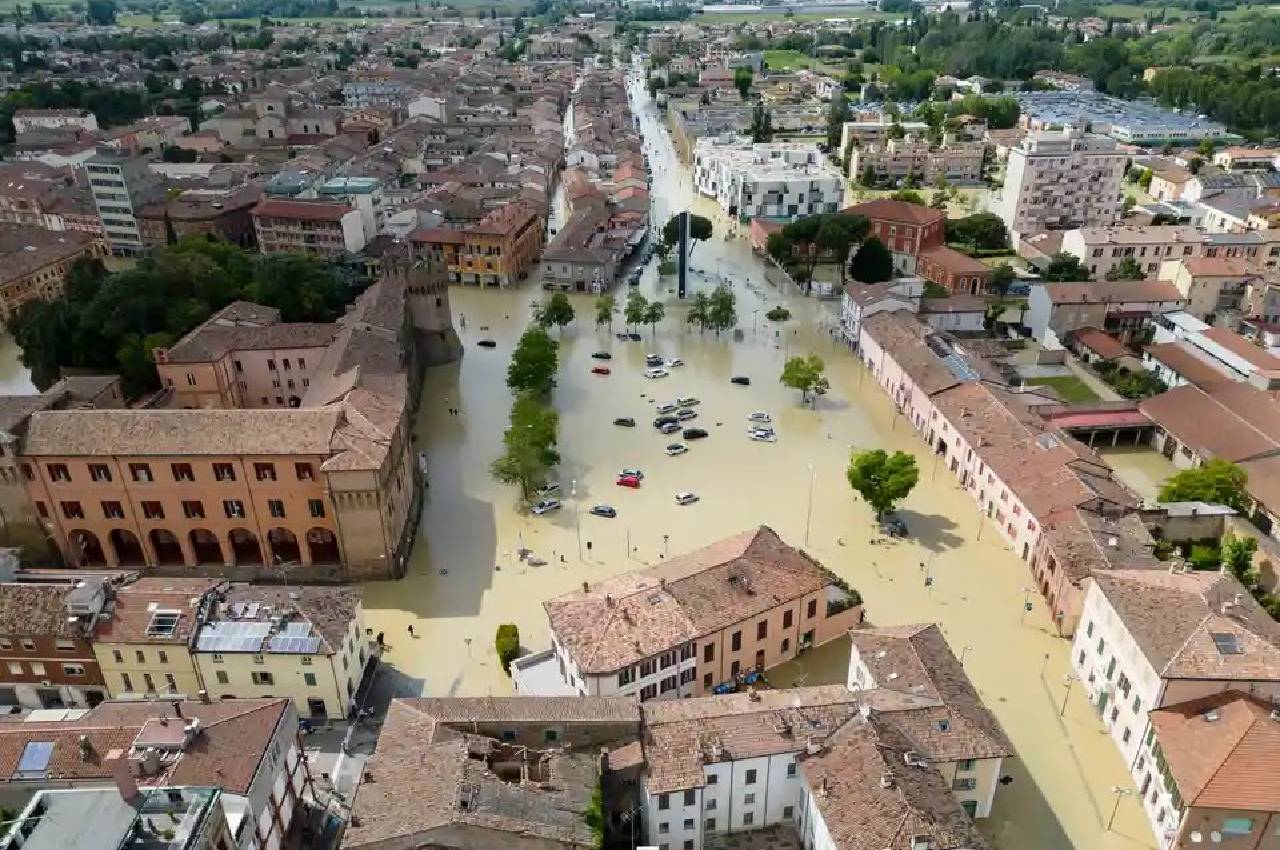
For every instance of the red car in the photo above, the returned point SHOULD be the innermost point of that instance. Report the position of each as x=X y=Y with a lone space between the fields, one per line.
x=629 y=481
x=600 y=370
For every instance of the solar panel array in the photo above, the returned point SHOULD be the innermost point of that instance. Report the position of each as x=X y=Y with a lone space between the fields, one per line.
x=295 y=644
x=233 y=637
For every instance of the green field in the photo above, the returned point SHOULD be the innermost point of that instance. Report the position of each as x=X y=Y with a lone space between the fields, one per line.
x=1069 y=387
x=787 y=60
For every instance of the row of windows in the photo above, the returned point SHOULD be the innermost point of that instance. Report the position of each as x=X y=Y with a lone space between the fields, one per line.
x=191 y=509
x=263 y=677
x=182 y=472
x=149 y=683
x=28 y=645
x=36 y=668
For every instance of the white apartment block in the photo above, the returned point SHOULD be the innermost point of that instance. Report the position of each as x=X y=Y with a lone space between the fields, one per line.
x=1102 y=248
x=1056 y=180
x=775 y=180
x=868 y=132
x=898 y=159
x=1154 y=638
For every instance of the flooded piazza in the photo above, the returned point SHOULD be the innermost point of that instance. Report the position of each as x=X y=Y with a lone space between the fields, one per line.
x=464 y=579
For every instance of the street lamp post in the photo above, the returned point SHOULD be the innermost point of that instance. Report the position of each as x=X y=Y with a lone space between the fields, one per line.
x=1070 y=680
x=666 y=538
x=1026 y=605
x=964 y=650
x=577 y=514
x=1120 y=794
x=808 y=514
x=755 y=321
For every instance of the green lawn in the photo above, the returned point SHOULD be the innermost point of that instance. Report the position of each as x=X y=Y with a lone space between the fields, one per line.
x=751 y=17
x=1069 y=387
x=787 y=60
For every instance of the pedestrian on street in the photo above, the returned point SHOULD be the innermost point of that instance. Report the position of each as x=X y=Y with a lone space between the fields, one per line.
x=382 y=639
x=411 y=634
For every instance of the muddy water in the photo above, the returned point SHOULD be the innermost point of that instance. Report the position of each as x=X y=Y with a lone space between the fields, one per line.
x=1141 y=469
x=464 y=580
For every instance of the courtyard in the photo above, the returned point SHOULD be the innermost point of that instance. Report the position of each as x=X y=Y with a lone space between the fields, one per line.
x=465 y=579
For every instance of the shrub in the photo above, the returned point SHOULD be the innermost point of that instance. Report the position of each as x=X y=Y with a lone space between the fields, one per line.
x=1204 y=557
x=507 y=642
x=778 y=314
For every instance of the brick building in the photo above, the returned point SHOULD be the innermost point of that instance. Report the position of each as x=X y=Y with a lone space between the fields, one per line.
x=958 y=273
x=496 y=251
x=46 y=652
x=224 y=213
x=905 y=229
x=307 y=227
x=36 y=263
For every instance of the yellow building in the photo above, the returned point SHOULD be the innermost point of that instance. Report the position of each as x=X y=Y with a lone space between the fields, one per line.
x=305 y=643
x=143 y=647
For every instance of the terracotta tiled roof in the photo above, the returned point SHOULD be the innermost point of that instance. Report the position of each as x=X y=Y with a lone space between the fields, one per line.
x=227 y=753
x=916 y=660
x=1129 y=291
x=1104 y=345
x=311 y=210
x=870 y=799
x=425 y=781
x=1174 y=618
x=1222 y=751
x=35 y=609
x=891 y=210
x=637 y=615
x=134 y=609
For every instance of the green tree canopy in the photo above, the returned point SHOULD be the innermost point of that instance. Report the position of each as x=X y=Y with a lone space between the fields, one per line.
x=605 y=305
x=872 y=263
x=111 y=321
x=654 y=312
x=1127 y=269
x=533 y=362
x=722 y=313
x=528 y=445
x=1065 y=267
x=981 y=230
x=699 y=311
x=1002 y=277
x=1217 y=482
x=557 y=311
x=636 y=308
x=742 y=81
x=804 y=374
x=882 y=479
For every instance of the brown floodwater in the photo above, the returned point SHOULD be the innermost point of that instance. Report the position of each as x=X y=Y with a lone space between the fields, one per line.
x=464 y=579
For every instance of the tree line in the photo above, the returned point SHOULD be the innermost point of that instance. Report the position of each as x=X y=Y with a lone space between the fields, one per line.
x=112 y=321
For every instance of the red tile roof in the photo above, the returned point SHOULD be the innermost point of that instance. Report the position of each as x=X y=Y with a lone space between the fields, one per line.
x=891 y=210
x=312 y=210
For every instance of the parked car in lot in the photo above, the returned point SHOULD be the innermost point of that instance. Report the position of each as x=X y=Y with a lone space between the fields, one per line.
x=669 y=428
x=652 y=360
x=668 y=407
x=606 y=511
x=759 y=416
x=740 y=380
x=545 y=506
x=656 y=373
x=634 y=473
x=687 y=401
x=762 y=435
x=676 y=449
x=659 y=421
x=694 y=433
x=672 y=362
x=686 y=498
x=685 y=414
x=892 y=525
x=602 y=355
x=629 y=481
x=625 y=422
x=487 y=343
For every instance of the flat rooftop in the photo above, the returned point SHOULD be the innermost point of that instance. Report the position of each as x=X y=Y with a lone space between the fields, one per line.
x=100 y=819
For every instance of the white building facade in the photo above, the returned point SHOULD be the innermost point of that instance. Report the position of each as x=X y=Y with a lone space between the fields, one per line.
x=1060 y=180
x=780 y=181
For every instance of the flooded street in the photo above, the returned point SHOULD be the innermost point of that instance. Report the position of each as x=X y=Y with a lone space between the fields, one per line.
x=464 y=580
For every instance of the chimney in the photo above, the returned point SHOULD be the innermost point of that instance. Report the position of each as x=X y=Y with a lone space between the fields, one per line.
x=124 y=779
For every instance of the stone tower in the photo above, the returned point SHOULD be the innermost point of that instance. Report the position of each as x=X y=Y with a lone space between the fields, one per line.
x=426 y=295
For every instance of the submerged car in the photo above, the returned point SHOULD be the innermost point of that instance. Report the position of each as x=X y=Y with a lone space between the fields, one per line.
x=762 y=435
x=656 y=373
x=687 y=401
x=694 y=433
x=669 y=427
x=685 y=414
x=634 y=473
x=759 y=416
x=602 y=355
x=601 y=370
x=676 y=449
x=740 y=380
x=628 y=481
x=545 y=506
x=487 y=343
x=625 y=422
x=606 y=511
x=686 y=498
x=892 y=525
